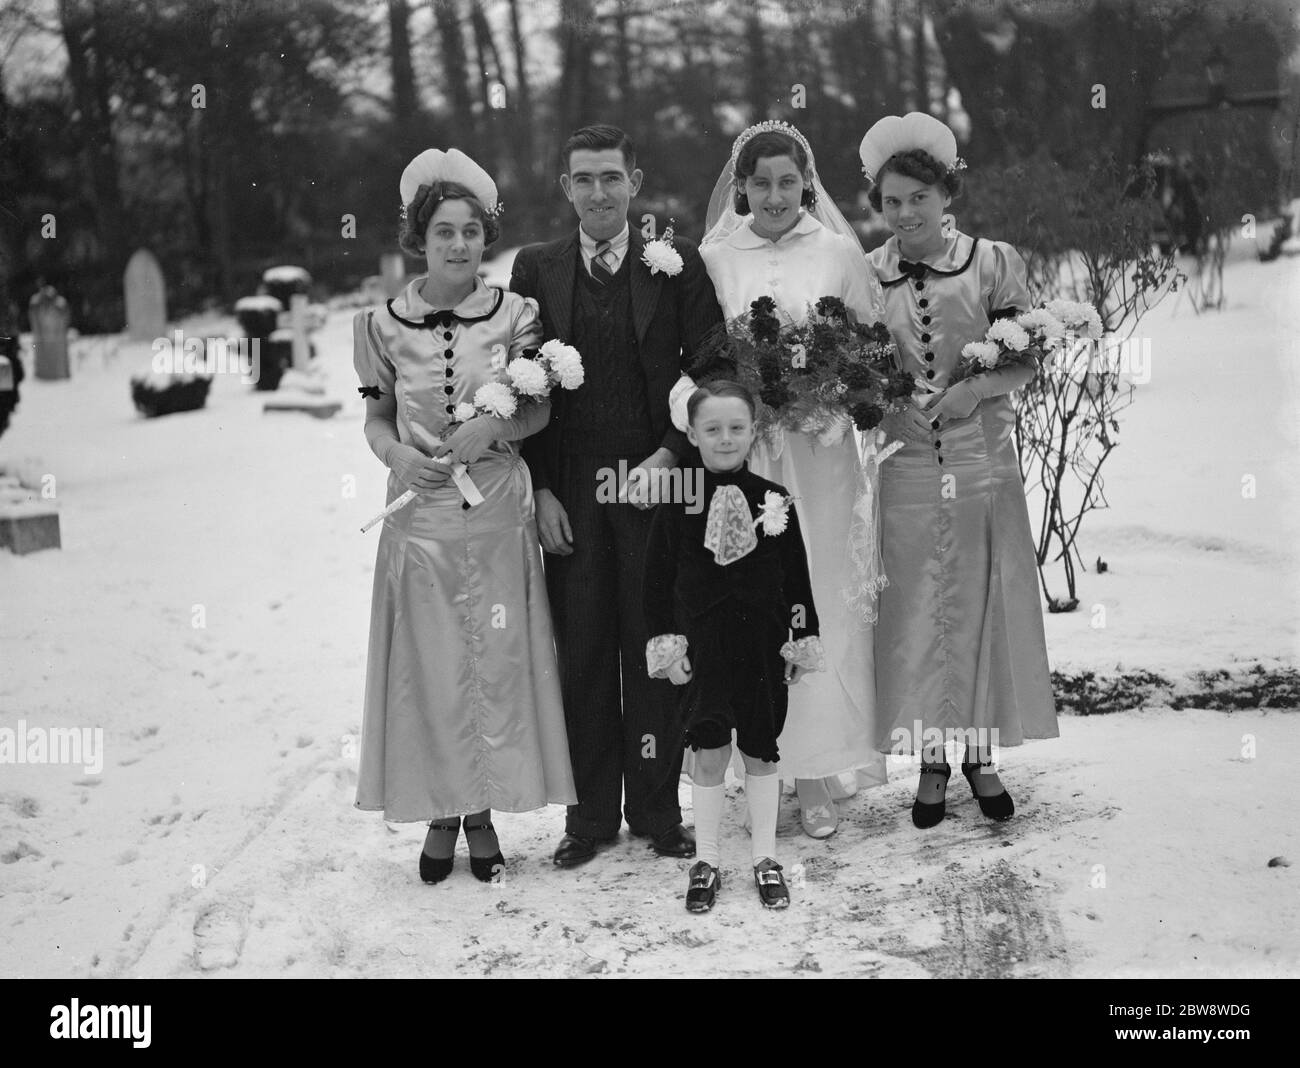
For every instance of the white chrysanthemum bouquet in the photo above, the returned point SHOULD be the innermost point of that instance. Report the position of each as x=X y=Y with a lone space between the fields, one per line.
x=1028 y=339
x=526 y=379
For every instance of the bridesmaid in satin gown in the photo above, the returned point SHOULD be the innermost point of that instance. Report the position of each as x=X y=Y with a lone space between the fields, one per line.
x=960 y=650
x=462 y=702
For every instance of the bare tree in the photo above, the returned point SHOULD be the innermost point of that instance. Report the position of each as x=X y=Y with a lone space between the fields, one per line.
x=920 y=68
x=758 y=69
x=522 y=111
x=405 y=103
x=83 y=24
x=622 y=64
x=455 y=70
x=577 y=35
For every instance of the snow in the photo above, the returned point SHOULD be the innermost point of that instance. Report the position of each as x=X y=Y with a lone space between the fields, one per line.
x=209 y=611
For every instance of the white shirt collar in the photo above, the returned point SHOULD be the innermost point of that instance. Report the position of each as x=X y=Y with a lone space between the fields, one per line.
x=617 y=244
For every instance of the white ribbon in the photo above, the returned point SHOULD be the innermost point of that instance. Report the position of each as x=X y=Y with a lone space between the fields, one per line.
x=868 y=576
x=459 y=475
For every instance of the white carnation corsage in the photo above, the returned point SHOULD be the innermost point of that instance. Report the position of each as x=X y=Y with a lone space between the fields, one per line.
x=659 y=255
x=775 y=516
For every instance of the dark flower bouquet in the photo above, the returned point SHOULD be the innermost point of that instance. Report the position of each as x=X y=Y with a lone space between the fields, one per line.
x=819 y=377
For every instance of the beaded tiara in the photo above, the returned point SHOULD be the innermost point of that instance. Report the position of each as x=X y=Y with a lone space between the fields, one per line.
x=770 y=126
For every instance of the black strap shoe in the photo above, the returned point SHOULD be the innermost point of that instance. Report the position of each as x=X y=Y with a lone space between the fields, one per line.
x=702 y=890
x=435 y=869
x=484 y=868
x=999 y=806
x=925 y=813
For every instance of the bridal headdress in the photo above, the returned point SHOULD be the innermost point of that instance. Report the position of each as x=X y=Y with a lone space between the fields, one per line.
x=722 y=219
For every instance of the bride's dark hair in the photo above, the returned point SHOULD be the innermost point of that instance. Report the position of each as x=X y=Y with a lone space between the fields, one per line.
x=769 y=145
x=918 y=164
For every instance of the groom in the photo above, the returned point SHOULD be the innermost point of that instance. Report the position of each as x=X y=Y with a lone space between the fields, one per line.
x=636 y=332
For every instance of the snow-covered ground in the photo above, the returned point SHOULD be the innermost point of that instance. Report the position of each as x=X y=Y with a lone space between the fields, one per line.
x=208 y=611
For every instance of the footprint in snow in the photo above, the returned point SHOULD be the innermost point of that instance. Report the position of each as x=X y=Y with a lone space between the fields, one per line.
x=219 y=932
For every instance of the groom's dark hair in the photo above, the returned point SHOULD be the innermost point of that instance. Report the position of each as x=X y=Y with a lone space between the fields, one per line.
x=597 y=139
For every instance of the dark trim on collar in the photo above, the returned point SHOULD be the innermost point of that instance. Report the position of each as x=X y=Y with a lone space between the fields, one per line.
x=423 y=325
x=974 y=244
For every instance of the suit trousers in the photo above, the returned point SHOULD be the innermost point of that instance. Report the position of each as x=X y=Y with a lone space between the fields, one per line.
x=633 y=746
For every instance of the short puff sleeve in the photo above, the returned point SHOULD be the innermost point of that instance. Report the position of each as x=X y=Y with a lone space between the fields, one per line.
x=525 y=324
x=369 y=357
x=1006 y=281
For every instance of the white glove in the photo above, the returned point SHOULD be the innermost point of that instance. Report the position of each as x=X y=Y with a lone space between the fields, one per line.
x=677 y=398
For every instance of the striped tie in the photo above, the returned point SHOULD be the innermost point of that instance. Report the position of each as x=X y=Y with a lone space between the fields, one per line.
x=602 y=263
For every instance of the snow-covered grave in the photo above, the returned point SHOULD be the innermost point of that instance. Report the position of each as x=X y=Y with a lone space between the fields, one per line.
x=208 y=613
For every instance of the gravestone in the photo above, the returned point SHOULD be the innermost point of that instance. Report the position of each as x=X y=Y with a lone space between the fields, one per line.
x=146 y=297
x=392 y=269
x=284 y=281
x=49 y=315
x=298 y=324
x=27 y=521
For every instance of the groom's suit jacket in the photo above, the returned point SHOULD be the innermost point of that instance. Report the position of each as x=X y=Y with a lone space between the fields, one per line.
x=672 y=317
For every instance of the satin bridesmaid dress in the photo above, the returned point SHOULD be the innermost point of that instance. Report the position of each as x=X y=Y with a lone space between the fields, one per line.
x=462 y=699
x=959 y=642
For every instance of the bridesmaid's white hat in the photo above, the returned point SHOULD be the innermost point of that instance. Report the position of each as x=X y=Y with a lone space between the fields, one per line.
x=435 y=165
x=916 y=129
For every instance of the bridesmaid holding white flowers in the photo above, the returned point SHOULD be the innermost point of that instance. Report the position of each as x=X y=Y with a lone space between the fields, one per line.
x=960 y=652
x=462 y=701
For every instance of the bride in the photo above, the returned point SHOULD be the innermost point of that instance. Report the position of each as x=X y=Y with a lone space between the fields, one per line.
x=773 y=231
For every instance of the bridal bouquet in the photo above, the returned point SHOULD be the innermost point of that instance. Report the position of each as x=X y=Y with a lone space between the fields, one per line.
x=820 y=377
x=527 y=379
x=1029 y=338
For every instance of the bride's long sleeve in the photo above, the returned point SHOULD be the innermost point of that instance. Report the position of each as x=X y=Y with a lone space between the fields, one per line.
x=863 y=295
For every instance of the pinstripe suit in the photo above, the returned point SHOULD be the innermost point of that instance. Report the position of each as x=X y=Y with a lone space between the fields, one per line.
x=625 y=731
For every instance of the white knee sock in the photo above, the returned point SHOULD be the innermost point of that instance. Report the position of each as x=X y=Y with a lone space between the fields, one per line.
x=707 y=802
x=763 y=793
